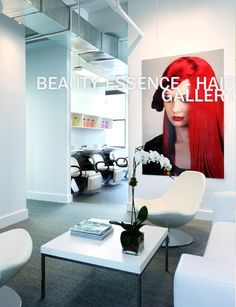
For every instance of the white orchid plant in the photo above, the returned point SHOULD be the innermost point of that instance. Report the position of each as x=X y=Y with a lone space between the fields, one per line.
x=142 y=157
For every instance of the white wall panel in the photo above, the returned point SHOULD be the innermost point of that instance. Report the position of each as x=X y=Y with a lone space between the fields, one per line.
x=48 y=124
x=12 y=123
x=176 y=28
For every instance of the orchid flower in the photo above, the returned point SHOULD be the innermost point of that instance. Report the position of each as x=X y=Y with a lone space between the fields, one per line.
x=141 y=156
x=154 y=156
x=165 y=162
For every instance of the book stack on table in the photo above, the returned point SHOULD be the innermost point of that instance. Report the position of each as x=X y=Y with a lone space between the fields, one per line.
x=92 y=230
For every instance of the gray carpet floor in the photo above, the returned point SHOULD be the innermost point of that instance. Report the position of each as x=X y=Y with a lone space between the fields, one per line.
x=71 y=284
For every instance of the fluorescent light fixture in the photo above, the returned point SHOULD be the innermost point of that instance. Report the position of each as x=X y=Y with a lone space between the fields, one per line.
x=89 y=74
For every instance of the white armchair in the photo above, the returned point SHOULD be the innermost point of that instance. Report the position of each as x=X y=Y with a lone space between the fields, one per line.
x=16 y=248
x=177 y=207
x=209 y=281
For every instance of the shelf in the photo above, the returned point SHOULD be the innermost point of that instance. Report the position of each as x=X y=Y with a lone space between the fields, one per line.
x=92 y=128
x=80 y=120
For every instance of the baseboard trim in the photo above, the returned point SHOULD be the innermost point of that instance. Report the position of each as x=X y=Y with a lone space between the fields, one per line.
x=13 y=218
x=202 y=214
x=57 y=198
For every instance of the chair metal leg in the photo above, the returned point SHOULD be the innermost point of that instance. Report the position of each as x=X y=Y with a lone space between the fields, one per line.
x=167 y=253
x=179 y=238
x=8 y=297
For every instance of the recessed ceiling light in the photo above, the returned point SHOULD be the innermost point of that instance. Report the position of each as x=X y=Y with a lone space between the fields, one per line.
x=89 y=74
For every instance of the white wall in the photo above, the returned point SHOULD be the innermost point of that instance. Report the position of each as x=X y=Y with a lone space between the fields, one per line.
x=89 y=99
x=12 y=123
x=175 y=28
x=48 y=124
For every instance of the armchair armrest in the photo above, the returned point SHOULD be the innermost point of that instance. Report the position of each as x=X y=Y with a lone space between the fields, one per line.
x=121 y=162
x=77 y=172
x=199 y=281
x=224 y=206
x=105 y=166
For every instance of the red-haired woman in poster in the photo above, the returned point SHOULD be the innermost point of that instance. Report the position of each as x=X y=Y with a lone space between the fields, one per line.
x=193 y=137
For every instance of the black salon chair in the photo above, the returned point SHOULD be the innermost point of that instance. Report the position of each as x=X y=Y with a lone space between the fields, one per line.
x=111 y=174
x=121 y=160
x=86 y=180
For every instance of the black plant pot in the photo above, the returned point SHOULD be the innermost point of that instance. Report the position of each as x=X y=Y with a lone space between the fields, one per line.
x=132 y=242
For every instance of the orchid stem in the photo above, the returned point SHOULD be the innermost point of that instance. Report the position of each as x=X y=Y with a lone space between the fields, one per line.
x=133 y=214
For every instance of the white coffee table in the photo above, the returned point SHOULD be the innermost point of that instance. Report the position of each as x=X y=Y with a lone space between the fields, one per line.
x=107 y=253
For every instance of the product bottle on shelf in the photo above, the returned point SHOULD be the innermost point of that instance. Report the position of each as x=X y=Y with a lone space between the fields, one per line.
x=103 y=124
x=93 y=123
x=88 y=122
x=73 y=121
x=106 y=125
x=84 y=122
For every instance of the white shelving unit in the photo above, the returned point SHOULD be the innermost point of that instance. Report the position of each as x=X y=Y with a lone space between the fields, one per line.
x=81 y=120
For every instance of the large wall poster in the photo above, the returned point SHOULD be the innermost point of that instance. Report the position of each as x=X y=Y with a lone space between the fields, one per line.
x=183 y=112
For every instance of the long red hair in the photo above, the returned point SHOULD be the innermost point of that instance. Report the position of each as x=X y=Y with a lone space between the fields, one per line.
x=205 y=125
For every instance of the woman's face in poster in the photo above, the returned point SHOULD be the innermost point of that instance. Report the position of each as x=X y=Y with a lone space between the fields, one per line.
x=176 y=105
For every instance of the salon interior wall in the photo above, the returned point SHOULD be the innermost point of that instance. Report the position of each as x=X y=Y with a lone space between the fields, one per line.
x=176 y=28
x=12 y=124
x=87 y=101
x=86 y=98
x=48 y=124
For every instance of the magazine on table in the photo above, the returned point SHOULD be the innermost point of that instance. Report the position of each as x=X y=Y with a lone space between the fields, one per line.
x=91 y=227
x=92 y=235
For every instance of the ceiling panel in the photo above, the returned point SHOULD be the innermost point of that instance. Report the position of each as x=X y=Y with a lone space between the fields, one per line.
x=70 y=2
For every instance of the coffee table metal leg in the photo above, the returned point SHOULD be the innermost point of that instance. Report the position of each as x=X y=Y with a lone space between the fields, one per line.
x=139 y=290
x=42 y=276
x=167 y=256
